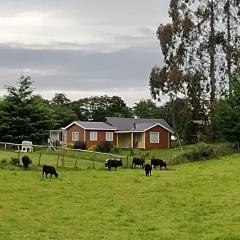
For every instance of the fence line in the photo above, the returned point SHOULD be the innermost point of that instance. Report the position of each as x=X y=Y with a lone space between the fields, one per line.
x=89 y=159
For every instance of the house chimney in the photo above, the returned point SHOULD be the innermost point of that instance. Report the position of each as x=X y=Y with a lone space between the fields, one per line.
x=134 y=125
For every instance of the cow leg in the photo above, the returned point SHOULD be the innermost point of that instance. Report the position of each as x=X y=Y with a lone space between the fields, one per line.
x=46 y=174
x=109 y=168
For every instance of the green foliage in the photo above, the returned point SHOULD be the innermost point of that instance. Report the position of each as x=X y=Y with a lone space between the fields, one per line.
x=3 y=161
x=60 y=99
x=24 y=116
x=227 y=114
x=146 y=109
x=203 y=151
x=14 y=161
x=62 y=108
x=104 y=146
x=80 y=145
x=99 y=107
x=69 y=145
x=92 y=148
x=201 y=51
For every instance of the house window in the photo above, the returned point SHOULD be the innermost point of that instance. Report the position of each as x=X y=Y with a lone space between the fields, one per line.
x=75 y=136
x=93 y=136
x=109 y=136
x=154 y=137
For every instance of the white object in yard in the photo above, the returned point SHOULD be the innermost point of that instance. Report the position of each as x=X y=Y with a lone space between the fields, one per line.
x=26 y=146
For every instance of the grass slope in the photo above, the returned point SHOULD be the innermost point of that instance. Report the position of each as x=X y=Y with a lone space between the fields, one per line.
x=191 y=201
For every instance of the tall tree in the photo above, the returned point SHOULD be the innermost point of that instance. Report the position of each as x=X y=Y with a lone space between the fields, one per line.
x=60 y=99
x=24 y=116
x=177 y=112
x=146 y=109
x=62 y=107
x=194 y=49
x=99 y=107
x=227 y=113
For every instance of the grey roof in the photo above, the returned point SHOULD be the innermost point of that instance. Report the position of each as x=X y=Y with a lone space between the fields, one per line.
x=93 y=125
x=139 y=124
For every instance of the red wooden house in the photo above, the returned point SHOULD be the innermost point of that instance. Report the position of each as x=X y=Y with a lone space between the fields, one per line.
x=121 y=132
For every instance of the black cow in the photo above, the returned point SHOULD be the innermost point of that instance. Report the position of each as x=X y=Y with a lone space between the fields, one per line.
x=26 y=161
x=148 y=170
x=113 y=163
x=138 y=161
x=158 y=162
x=49 y=170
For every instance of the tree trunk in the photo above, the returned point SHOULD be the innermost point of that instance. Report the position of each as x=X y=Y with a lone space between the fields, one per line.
x=212 y=52
x=229 y=45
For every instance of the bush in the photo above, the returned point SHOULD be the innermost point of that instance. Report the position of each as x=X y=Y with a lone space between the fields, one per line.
x=3 y=161
x=14 y=161
x=69 y=145
x=92 y=148
x=203 y=151
x=80 y=145
x=104 y=146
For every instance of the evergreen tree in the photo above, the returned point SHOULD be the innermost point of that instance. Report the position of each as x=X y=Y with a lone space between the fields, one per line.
x=24 y=116
x=227 y=114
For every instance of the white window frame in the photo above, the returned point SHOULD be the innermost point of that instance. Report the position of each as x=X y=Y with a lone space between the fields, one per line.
x=93 y=136
x=109 y=136
x=151 y=140
x=75 y=136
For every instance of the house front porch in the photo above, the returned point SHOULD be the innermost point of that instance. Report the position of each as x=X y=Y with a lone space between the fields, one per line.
x=130 y=140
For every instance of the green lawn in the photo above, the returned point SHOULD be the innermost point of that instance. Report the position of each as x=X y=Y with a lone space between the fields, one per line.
x=199 y=200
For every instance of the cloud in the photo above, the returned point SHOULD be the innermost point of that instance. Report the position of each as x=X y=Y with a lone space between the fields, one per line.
x=88 y=71
x=81 y=47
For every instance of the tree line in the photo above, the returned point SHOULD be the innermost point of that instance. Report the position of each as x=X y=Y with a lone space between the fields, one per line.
x=27 y=116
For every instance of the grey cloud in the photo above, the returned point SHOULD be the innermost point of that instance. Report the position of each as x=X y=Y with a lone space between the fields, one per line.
x=123 y=59
x=74 y=69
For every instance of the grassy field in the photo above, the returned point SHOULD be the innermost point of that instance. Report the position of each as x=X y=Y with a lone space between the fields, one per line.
x=199 y=200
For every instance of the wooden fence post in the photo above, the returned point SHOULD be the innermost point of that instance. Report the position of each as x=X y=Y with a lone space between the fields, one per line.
x=127 y=161
x=76 y=157
x=58 y=159
x=18 y=158
x=63 y=163
x=94 y=156
x=39 y=159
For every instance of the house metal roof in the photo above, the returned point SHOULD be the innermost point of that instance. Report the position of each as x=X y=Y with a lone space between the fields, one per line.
x=138 y=125
x=93 y=125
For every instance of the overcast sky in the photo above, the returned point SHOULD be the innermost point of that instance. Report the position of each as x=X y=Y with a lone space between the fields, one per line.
x=81 y=47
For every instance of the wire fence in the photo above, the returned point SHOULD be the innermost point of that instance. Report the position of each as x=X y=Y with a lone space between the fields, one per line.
x=71 y=158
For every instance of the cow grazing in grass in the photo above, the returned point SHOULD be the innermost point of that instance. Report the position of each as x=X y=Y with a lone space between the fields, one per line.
x=113 y=163
x=49 y=170
x=26 y=161
x=158 y=162
x=148 y=169
x=138 y=161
